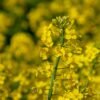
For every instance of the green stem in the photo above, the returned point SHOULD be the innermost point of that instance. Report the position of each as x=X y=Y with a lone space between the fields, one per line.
x=53 y=76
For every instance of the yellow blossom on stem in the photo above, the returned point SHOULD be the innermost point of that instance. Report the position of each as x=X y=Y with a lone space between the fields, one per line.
x=70 y=34
x=46 y=37
x=44 y=53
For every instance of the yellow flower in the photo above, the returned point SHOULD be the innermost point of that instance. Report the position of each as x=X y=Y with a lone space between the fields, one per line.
x=44 y=53
x=21 y=38
x=22 y=46
x=32 y=96
x=47 y=38
x=75 y=95
x=60 y=51
x=95 y=79
x=5 y=22
x=36 y=16
x=22 y=79
x=73 y=12
x=78 y=59
x=2 y=79
x=56 y=6
x=16 y=95
x=40 y=84
x=61 y=98
x=90 y=52
x=70 y=34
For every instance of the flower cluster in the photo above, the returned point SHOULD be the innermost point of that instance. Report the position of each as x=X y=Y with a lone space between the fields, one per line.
x=72 y=59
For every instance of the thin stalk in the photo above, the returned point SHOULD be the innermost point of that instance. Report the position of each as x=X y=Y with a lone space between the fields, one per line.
x=53 y=76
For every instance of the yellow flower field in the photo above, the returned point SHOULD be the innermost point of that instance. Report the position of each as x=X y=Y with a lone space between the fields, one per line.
x=49 y=50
